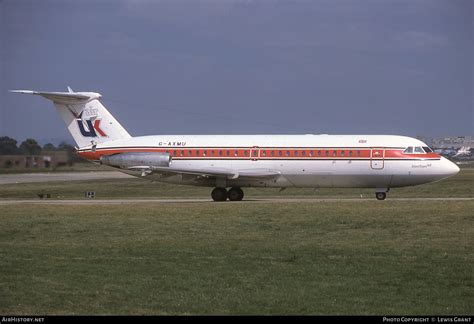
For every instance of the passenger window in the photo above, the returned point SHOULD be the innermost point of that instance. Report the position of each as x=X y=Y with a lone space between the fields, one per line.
x=280 y=153
x=334 y=153
x=296 y=153
x=273 y=153
x=408 y=150
x=227 y=152
x=311 y=153
x=287 y=153
x=236 y=153
x=220 y=152
x=204 y=153
x=327 y=153
x=350 y=153
x=319 y=153
x=303 y=153
x=197 y=152
x=181 y=152
x=342 y=153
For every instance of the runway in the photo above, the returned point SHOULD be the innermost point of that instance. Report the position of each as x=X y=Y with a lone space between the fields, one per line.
x=61 y=176
x=208 y=200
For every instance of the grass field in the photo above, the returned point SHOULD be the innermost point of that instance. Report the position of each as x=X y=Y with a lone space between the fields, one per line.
x=76 y=167
x=331 y=257
x=461 y=185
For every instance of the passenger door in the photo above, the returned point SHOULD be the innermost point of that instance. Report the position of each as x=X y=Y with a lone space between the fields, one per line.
x=377 y=158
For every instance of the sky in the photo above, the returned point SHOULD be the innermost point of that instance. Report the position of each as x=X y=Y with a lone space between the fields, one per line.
x=242 y=67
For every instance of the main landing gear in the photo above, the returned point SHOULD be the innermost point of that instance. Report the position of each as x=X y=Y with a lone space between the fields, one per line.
x=221 y=194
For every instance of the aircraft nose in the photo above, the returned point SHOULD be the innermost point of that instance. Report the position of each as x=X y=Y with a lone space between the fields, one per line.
x=449 y=167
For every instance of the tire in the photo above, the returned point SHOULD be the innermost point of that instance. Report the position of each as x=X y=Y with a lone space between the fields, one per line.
x=380 y=195
x=219 y=194
x=235 y=194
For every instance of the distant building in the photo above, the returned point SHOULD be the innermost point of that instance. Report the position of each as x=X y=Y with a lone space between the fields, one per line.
x=46 y=160
x=453 y=142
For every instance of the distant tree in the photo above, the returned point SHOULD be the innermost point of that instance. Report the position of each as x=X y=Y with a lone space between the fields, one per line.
x=63 y=146
x=8 y=146
x=30 y=147
x=49 y=147
x=71 y=152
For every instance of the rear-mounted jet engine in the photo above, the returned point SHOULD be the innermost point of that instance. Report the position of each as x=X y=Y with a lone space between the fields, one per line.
x=134 y=160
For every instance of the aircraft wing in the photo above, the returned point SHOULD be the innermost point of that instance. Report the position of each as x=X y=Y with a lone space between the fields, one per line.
x=209 y=172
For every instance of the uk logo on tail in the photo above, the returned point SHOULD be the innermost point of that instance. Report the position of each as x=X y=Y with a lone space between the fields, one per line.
x=90 y=129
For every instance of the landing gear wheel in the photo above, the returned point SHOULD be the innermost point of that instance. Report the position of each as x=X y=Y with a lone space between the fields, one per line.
x=380 y=195
x=235 y=194
x=219 y=194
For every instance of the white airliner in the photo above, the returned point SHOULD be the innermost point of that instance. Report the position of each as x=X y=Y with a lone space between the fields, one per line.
x=464 y=151
x=235 y=161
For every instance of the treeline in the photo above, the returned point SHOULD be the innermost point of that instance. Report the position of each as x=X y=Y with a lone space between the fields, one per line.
x=9 y=146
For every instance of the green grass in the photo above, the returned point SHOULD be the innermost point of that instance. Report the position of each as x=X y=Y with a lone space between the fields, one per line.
x=76 y=167
x=461 y=185
x=330 y=257
x=364 y=257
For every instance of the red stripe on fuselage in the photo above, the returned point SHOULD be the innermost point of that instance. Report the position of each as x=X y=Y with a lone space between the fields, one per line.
x=274 y=153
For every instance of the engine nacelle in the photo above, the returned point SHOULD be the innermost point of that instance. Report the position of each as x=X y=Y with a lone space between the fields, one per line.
x=129 y=160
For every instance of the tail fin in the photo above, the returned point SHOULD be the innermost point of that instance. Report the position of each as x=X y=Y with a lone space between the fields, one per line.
x=88 y=121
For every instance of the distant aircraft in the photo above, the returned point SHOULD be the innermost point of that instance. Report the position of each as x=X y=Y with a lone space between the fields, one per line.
x=235 y=161
x=445 y=152
x=464 y=151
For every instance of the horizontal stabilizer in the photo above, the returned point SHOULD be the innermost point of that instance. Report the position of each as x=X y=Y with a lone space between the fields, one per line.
x=63 y=97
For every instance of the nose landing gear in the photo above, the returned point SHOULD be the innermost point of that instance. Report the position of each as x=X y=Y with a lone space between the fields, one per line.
x=381 y=193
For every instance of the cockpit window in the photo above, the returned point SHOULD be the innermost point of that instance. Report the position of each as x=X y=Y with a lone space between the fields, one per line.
x=417 y=150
